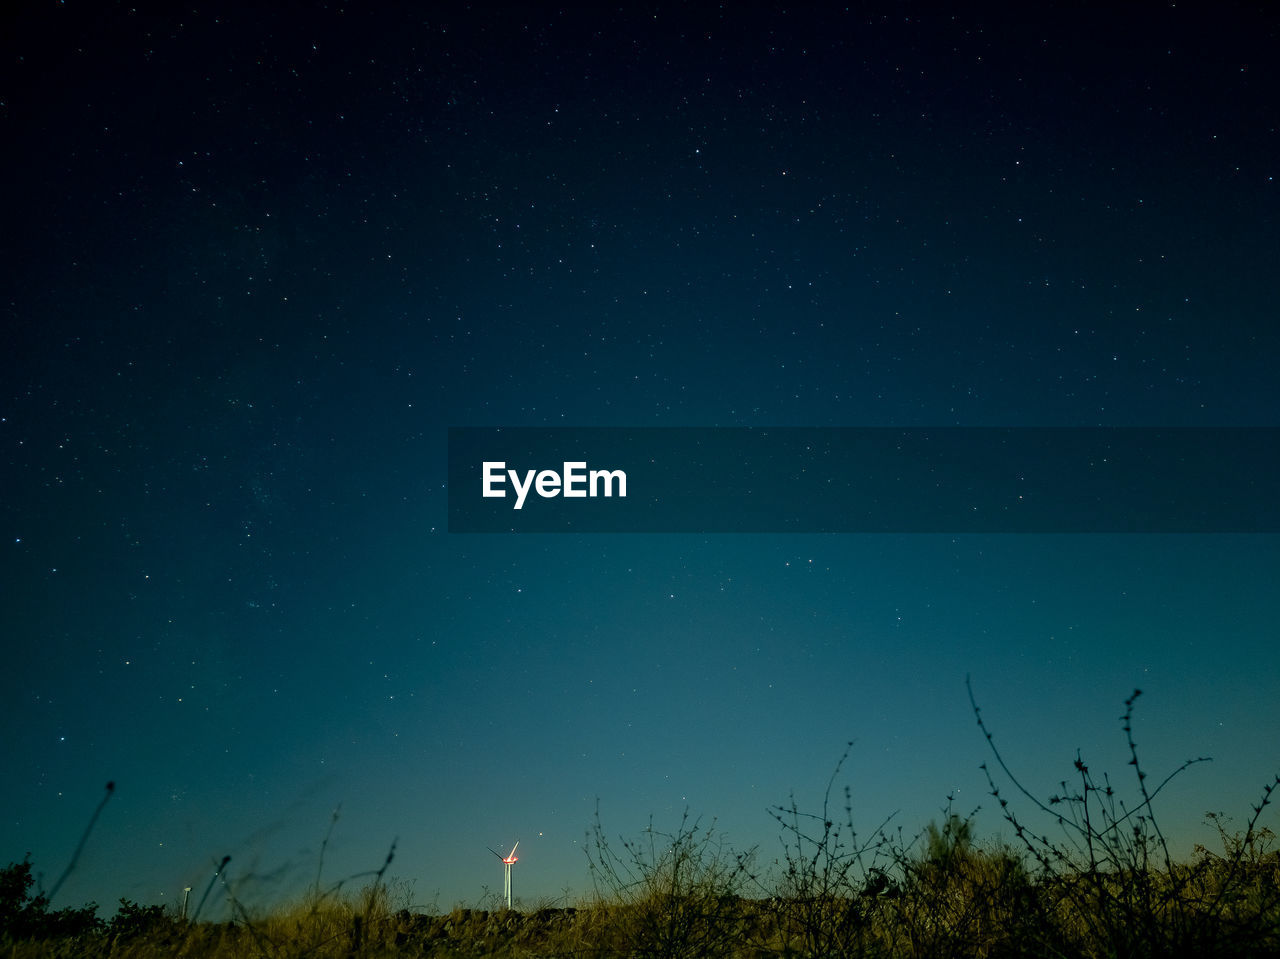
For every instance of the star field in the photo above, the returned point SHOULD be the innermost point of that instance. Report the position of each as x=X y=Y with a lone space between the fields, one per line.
x=256 y=264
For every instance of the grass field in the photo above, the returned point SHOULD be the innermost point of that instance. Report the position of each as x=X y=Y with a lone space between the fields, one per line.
x=1090 y=875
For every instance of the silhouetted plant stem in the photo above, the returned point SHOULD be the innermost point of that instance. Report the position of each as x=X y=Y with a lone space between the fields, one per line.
x=75 y=856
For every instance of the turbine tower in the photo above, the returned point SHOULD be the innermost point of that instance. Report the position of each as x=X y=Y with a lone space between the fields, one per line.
x=507 y=862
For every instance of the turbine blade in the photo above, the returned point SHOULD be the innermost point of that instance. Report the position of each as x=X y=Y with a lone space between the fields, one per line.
x=513 y=848
x=494 y=851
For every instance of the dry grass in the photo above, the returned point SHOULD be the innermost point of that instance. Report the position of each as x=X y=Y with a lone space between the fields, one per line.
x=1107 y=887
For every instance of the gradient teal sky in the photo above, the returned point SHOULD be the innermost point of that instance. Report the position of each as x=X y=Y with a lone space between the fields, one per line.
x=257 y=265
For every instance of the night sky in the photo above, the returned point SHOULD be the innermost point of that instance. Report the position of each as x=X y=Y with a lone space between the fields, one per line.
x=257 y=262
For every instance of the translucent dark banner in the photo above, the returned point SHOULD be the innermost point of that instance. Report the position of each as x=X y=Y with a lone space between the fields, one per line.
x=864 y=480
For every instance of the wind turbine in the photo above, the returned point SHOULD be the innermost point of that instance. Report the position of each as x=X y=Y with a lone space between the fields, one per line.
x=507 y=862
